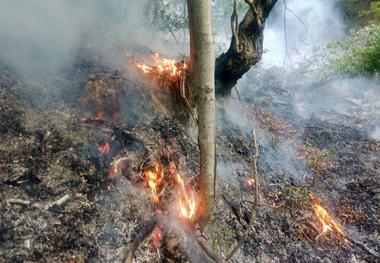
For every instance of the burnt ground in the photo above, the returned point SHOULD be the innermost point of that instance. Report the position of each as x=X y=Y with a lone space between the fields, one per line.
x=59 y=203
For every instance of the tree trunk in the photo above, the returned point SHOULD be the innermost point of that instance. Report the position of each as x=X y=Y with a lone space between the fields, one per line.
x=233 y=64
x=202 y=69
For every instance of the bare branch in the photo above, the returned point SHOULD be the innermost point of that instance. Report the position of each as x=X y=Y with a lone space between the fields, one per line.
x=144 y=232
x=254 y=204
x=202 y=241
x=235 y=25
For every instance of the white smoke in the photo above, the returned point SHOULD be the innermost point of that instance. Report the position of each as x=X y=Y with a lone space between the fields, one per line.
x=292 y=34
x=38 y=35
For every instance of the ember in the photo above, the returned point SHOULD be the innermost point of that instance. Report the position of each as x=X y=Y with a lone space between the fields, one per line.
x=251 y=181
x=162 y=66
x=328 y=224
x=104 y=148
x=156 y=238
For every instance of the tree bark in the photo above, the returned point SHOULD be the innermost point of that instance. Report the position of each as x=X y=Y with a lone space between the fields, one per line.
x=233 y=64
x=201 y=80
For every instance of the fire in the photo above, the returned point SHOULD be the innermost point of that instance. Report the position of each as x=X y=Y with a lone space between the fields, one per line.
x=104 y=148
x=328 y=224
x=185 y=196
x=251 y=181
x=156 y=238
x=187 y=203
x=153 y=178
x=162 y=66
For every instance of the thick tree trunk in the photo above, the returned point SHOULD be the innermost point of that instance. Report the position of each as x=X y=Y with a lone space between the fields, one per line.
x=202 y=69
x=239 y=58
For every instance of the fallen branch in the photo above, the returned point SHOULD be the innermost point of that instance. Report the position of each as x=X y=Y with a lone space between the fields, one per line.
x=144 y=232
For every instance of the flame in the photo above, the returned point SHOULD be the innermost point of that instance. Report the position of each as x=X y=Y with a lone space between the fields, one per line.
x=162 y=66
x=251 y=181
x=98 y=118
x=154 y=178
x=328 y=224
x=104 y=148
x=187 y=203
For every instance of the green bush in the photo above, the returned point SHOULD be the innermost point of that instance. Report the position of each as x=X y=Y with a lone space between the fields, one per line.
x=360 y=53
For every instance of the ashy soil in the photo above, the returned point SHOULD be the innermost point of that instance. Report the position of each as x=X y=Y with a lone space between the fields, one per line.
x=59 y=202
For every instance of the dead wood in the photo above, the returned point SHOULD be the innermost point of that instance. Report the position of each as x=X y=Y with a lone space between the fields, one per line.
x=144 y=232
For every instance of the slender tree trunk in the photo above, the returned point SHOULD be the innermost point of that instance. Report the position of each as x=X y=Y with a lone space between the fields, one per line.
x=202 y=69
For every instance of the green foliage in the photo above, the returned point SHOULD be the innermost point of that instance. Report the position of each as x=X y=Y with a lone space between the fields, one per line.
x=360 y=53
x=373 y=12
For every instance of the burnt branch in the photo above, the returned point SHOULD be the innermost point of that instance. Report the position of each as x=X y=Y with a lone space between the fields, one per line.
x=246 y=46
x=144 y=232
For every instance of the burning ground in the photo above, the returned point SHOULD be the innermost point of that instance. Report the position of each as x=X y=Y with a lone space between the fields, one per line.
x=85 y=169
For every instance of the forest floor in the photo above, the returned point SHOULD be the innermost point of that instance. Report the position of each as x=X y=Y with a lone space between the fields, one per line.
x=59 y=202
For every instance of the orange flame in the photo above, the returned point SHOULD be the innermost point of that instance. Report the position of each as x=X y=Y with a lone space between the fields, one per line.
x=187 y=203
x=328 y=224
x=154 y=178
x=162 y=66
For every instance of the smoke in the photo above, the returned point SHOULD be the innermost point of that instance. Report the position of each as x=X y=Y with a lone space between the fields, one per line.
x=42 y=35
x=296 y=27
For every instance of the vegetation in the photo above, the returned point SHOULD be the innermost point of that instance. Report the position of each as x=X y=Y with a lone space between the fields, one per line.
x=360 y=53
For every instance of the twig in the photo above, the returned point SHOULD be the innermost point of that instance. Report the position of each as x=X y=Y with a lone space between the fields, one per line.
x=182 y=92
x=59 y=202
x=18 y=201
x=144 y=232
x=234 y=26
x=254 y=204
x=364 y=247
x=202 y=241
